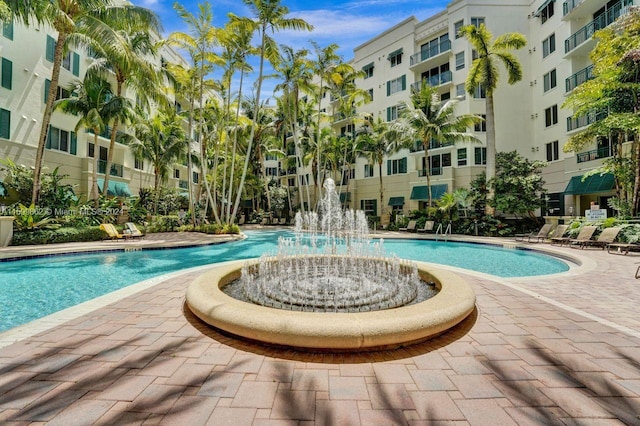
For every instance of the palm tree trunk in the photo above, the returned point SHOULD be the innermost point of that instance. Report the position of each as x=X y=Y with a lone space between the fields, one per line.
x=235 y=147
x=190 y=165
x=381 y=186
x=427 y=172
x=94 y=185
x=46 y=118
x=491 y=153
x=112 y=144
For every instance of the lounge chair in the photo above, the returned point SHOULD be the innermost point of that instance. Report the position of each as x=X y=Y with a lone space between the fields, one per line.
x=557 y=235
x=112 y=232
x=542 y=234
x=282 y=221
x=428 y=226
x=622 y=248
x=265 y=221
x=133 y=230
x=585 y=235
x=411 y=227
x=607 y=236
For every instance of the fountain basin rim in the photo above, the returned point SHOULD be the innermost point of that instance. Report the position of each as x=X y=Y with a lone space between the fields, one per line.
x=332 y=331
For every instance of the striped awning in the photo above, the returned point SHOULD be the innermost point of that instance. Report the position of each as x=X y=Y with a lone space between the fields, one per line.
x=541 y=8
x=590 y=185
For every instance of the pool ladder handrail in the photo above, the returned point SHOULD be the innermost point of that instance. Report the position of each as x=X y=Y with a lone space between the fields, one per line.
x=446 y=232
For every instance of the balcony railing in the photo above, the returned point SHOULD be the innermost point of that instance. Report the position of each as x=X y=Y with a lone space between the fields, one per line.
x=435 y=171
x=585 y=33
x=423 y=55
x=434 y=80
x=433 y=144
x=578 y=78
x=585 y=120
x=116 y=169
x=595 y=154
x=285 y=172
x=569 y=5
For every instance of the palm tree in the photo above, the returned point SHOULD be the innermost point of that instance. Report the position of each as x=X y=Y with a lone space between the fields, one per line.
x=376 y=142
x=271 y=16
x=77 y=22
x=484 y=74
x=161 y=140
x=427 y=119
x=129 y=63
x=94 y=102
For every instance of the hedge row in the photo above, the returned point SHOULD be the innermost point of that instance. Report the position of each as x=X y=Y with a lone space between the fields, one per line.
x=60 y=235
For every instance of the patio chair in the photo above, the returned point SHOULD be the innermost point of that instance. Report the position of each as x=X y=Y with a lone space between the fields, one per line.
x=133 y=230
x=622 y=248
x=557 y=235
x=542 y=234
x=585 y=235
x=428 y=226
x=411 y=227
x=112 y=232
x=606 y=237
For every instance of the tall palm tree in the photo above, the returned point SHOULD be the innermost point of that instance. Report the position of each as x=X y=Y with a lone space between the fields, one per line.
x=130 y=63
x=94 y=103
x=376 y=142
x=161 y=140
x=77 y=22
x=270 y=16
x=427 y=119
x=484 y=74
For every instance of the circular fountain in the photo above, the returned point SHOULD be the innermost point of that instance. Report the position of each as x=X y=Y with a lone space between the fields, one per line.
x=331 y=287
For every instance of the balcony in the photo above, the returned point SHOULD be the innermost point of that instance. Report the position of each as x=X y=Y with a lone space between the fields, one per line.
x=423 y=55
x=116 y=169
x=578 y=78
x=585 y=120
x=595 y=154
x=287 y=172
x=433 y=144
x=434 y=80
x=568 y=6
x=586 y=33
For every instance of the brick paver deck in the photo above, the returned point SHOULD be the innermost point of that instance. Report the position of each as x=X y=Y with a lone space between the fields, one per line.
x=561 y=349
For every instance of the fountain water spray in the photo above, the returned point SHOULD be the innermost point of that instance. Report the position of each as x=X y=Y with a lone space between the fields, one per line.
x=330 y=265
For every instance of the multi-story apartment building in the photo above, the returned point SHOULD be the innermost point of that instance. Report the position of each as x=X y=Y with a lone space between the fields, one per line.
x=26 y=54
x=529 y=115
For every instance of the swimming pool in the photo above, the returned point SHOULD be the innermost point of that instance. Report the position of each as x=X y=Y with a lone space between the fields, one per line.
x=33 y=288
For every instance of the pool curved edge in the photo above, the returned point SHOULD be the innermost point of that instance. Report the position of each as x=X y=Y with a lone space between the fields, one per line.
x=331 y=331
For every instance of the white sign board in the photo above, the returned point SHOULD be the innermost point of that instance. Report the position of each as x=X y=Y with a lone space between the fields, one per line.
x=595 y=214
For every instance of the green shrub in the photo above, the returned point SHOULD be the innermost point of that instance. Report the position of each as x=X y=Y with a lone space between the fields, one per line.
x=61 y=235
x=164 y=224
x=211 y=229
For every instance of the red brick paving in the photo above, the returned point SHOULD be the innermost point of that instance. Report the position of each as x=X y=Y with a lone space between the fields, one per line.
x=520 y=359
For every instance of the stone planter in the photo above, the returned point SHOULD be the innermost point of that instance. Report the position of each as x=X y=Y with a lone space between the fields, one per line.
x=6 y=230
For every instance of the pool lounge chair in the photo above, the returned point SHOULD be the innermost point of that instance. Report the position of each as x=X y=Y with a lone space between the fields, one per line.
x=428 y=226
x=132 y=230
x=585 y=235
x=607 y=236
x=622 y=248
x=542 y=234
x=411 y=227
x=112 y=232
x=557 y=235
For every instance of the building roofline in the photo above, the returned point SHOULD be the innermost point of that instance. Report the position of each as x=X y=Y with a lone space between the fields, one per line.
x=384 y=33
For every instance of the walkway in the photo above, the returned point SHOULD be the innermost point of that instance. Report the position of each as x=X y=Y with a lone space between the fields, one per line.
x=562 y=349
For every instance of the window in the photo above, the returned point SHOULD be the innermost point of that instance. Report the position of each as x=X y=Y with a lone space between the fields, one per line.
x=459 y=61
x=347 y=175
x=392 y=113
x=7 y=30
x=547 y=12
x=480 y=93
x=7 y=73
x=291 y=182
x=61 y=93
x=445 y=96
x=75 y=70
x=176 y=173
x=368 y=170
x=552 y=151
x=62 y=140
x=397 y=85
x=480 y=155
x=66 y=61
x=395 y=57
x=195 y=177
x=548 y=45
x=460 y=92
x=138 y=163
x=370 y=92
x=369 y=207
x=368 y=70
x=271 y=171
x=476 y=22
x=456 y=28
x=51 y=48
x=395 y=167
x=550 y=80
x=474 y=54
x=5 y=124
x=437 y=162
x=304 y=179
x=551 y=116
x=481 y=127
x=462 y=156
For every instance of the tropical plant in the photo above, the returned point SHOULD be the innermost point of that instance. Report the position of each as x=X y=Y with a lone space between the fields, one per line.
x=484 y=75
x=519 y=185
x=32 y=218
x=431 y=121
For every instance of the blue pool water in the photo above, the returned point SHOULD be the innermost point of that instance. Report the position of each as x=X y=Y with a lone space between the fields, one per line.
x=33 y=288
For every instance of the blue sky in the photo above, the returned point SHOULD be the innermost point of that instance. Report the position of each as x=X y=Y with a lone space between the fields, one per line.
x=346 y=23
